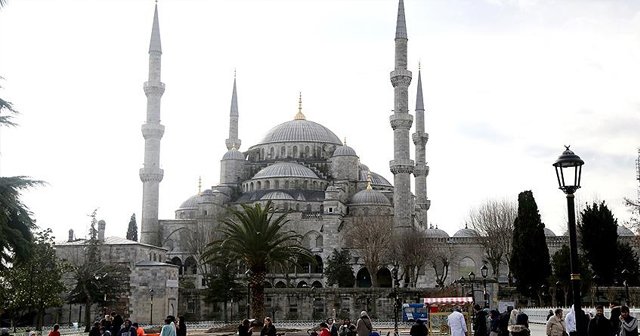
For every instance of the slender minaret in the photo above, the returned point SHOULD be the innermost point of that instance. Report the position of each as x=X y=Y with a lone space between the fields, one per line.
x=233 y=141
x=152 y=131
x=421 y=170
x=401 y=165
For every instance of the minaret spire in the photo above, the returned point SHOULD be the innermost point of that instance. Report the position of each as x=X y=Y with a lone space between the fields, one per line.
x=421 y=169
x=233 y=141
x=300 y=115
x=150 y=174
x=401 y=166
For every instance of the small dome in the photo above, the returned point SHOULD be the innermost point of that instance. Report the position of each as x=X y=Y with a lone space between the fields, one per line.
x=465 y=233
x=191 y=203
x=623 y=231
x=285 y=169
x=436 y=233
x=276 y=195
x=233 y=154
x=344 y=151
x=300 y=130
x=369 y=196
x=376 y=179
x=548 y=232
x=363 y=166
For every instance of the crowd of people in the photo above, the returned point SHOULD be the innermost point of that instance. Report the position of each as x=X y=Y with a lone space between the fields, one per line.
x=620 y=322
x=114 y=325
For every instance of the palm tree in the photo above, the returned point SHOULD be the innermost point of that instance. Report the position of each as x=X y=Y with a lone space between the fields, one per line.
x=255 y=237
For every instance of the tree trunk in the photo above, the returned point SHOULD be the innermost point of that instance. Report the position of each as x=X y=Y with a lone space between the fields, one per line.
x=87 y=316
x=226 y=316
x=256 y=283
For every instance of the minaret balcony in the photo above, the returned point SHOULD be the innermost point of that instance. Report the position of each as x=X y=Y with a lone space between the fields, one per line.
x=401 y=166
x=401 y=121
x=151 y=175
x=400 y=77
x=152 y=131
x=420 y=138
x=421 y=170
x=155 y=88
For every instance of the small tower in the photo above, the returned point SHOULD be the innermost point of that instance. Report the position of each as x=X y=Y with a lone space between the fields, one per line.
x=421 y=169
x=401 y=166
x=232 y=163
x=233 y=141
x=152 y=131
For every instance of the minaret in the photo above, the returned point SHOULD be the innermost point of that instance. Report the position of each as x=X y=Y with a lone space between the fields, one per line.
x=152 y=131
x=233 y=141
x=401 y=165
x=421 y=170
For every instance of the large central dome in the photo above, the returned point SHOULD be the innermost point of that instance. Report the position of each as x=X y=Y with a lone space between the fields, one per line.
x=300 y=130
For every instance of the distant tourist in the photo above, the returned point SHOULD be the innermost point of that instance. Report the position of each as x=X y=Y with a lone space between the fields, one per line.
x=521 y=327
x=599 y=324
x=139 y=330
x=629 y=324
x=324 y=329
x=182 y=327
x=268 y=329
x=480 y=322
x=419 y=329
x=456 y=322
x=333 y=328
x=555 y=324
x=167 y=328
x=364 y=326
x=55 y=331
x=244 y=329
x=570 y=322
x=127 y=329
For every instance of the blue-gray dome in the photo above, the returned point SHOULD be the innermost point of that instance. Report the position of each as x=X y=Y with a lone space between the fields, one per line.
x=465 y=233
x=300 y=130
x=369 y=196
x=191 y=203
x=363 y=166
x=376 y=179
x=548 y=232
x=233 y=154
x=623 y=231
x=436 y=233
x=276 y=195
x=285 y=169
x=344 y=151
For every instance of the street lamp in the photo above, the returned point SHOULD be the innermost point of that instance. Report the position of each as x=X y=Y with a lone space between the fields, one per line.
x=568 y=168
x=472 y=278
x=484 y=270
x=461 y=282
x=248 y=275
x=396 y=283
x=151 y=310
x=625 y=276
x=596 y=280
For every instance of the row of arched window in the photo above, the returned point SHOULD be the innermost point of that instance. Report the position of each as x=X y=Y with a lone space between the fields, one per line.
x=274 y=152
x=278 y=184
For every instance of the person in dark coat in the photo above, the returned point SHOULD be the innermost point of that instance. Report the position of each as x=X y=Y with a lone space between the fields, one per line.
x=503 y=327
x=268 y=329
x=494 y=325
x=599 y=324
x=419 y=329
x=614 y=318
x=521 y=327
x=181 y=329
x=244 y=329
x=480 y=322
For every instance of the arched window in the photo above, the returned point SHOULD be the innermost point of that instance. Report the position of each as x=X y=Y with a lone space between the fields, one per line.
x=363 y=279
x=286 y=184
x=316 y=284
x=301 y=284
x=258 y=185
x=297 y=206
x=280 y=284
x=283 y=151
x=384 y=277
x=304 y=184
x=271 y=153
x=176 y=261
x=467 y=265
x=318 y=267
x=306 y=151
x=267 y=184
x=308 y=207
x=267 y=284
x=262 y=154
x=190 y=266
x=319 y=241
x=295 y=151
x=251 y=186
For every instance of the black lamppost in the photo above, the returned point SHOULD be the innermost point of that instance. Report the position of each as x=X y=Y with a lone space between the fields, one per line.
x=484 y=270
x=248 y=275
x=461 y=282
x=596 y=280
x=151 y=310
x=396 y=283
x=569 y=166
x=472 y=278
x=625 y=277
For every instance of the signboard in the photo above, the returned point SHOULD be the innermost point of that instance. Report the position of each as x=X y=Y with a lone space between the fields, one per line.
x=172 y=283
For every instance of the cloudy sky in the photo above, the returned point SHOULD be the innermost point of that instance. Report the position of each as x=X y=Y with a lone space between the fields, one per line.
x=506 y=83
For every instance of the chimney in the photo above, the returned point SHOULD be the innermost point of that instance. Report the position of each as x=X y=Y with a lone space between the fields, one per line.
x=71 y=237
x=101 y=225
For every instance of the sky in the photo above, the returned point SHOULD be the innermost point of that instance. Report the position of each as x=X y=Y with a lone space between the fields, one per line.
x=506 y=84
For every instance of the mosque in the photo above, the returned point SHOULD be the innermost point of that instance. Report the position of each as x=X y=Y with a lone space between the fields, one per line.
x=304 y=169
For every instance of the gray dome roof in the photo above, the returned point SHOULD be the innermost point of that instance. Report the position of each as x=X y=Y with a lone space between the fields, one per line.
x=344 y=151
x=369 y=196
x=376 y=179
x=233 y=154
x=276 y=195
x=191 y=203
x=436 y=233
x=623 y=231
x=363 y=166
x=300 y=130
x=285 y=169
x=465 y=233
x=548 y=232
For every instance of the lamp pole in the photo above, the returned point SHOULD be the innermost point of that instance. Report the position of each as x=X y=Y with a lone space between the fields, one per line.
x=151 y=310
x=461 y=282
x=484 y=270
x=569 y=166
x=596 y=280
x=625 y=278
x=396 y=283
x=248 y=275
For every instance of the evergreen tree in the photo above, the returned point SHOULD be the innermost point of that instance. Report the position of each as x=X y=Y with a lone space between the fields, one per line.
x=561 y=262
x=598 y=231
x=132 y=230
x=222 y=285
x=627 y=259
x=338 y=270
x=530 y=262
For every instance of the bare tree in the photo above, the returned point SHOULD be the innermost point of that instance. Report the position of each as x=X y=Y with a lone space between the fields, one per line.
x=439 y=254
x=493 y=222
x=372 y=236
x=408 y=250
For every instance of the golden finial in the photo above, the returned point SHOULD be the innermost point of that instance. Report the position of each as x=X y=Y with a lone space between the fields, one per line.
x=368 y=180
x=300 y=115
x=199 y=184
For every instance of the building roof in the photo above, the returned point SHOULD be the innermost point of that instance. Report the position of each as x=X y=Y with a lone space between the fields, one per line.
x=300 y=130
x=285 y=169
x=376 y=179
x=233 y=154
x=191 y=203
x=369 y=196
x=548 y=232
x=432 y=232
x=344 y=151
x=624 y=231
x=277 y=195
x=465 y=233
x=107 y=241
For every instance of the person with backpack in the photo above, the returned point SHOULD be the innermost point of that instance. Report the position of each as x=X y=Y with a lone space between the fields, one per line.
x=364 y=326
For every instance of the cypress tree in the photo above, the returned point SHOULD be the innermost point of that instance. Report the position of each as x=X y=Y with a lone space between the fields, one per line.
x=530 y=262
x=132 y=230
x=598 y=231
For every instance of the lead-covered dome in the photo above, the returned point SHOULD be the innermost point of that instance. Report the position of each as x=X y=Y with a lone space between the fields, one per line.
x=548 y=232
x=344 y=151
x=300 y=130
x=285 y=169
x=233 y=154
x=369 y=196
x=624 y=231
x=466 y=233
x=376 y=179
x=276 y=195
x=432 y=232
x=191 y=203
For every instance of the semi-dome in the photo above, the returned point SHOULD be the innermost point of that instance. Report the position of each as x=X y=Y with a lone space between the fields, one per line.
x=376 y=179
x=548 y=232
x=233 y=154
x=369 y=196
x=465 y=233
x=344 y=151
x=363 y=166
x=624 y=231
x=191 y=203
x=432 y=232
x=276 y=195
x=285 y=169
x=300 y=130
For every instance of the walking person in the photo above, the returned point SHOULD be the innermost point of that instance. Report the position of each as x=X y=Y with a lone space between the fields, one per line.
x=333 y=327
x=364 y=326
x=521 y=327
x=346 y=328
x=182 y=327
x=419 y=329
x=628 y=323
x=480 y=322
x=244 y=329
x=167 y=328
x=456 y=322
x=494 y=325
x=570 y=322
x=614 y=318
x=555 y=324
x=599 y=325
x=55 y=331
x=324 y=329
x=268 y=329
